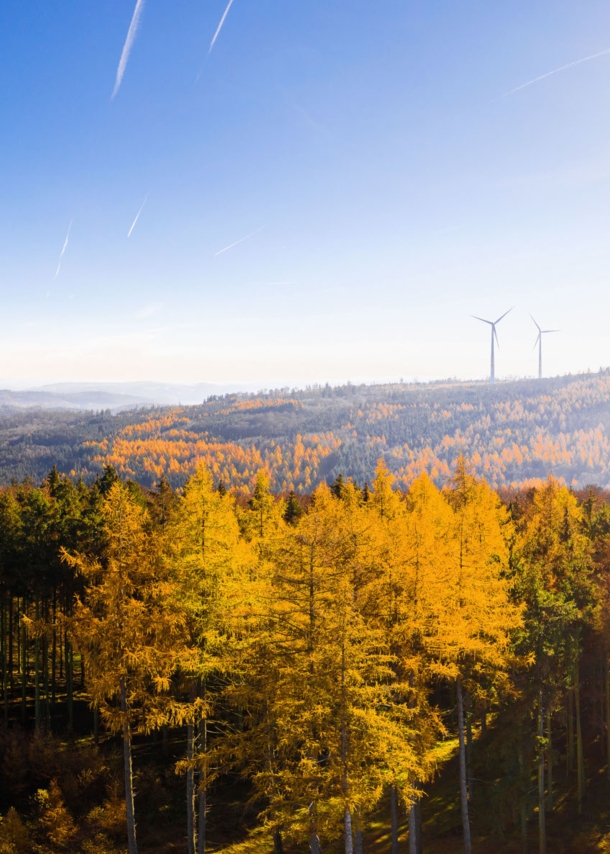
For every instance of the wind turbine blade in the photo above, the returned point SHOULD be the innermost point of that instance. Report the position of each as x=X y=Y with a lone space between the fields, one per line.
x=504 y=315
x=482 y=319
x=495 y=334
x=537 y=340
x=537 y=327
x=544 y=331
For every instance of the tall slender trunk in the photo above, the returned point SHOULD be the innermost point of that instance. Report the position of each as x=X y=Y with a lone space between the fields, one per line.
x=541 y=800
x=203 y=784
x=549 y=759
x=24 y=670
x=347 y=815
x=468 y=722
x=45 y=679
x=607 y=680
x=278 y=847
x=69 y=683
x=4 y=661
x=416 y=845
x=394 y=819
x=129 y=801
x=62 y=635
x=570 y=747
x=54 y=653
x=348 y=832
x=580 y=761
x=37 y=715
x=314 y=839
x=412 y=829
x=523 y=803
x=190 y=781
x=463 y=782
x=10 y=643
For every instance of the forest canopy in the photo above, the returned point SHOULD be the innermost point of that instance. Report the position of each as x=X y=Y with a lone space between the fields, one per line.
x=322 y=660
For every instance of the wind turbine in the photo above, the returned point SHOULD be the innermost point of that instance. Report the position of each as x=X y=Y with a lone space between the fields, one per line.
x=541 y=332
x=494 y=340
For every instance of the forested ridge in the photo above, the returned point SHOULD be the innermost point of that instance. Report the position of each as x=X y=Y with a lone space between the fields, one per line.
x=513 y=433
x=358 y=669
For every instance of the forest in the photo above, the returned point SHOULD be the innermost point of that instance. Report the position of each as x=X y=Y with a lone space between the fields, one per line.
x=514 y=433
x=358 y=669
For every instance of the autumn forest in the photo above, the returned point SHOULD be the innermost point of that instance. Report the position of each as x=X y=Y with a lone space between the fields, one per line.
x=361 y=668
x=513 y=433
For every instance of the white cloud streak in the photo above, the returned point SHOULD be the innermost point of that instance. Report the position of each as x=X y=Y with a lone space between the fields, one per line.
x=220 y=25
x=63 y=249
x=241 y=240
x=131 y=37
x=133 y=224
x=557 y=70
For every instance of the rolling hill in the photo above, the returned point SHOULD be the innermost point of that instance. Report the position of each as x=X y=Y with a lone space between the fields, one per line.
x=513 y=433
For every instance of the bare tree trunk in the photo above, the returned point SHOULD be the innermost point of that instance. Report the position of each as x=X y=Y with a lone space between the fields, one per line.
x=45 y=673
x=347 y=816
x=190 y=789
x=468 y=722
x=580 y=762
x=129 y=803
x=607 y=680
x=278 y=846
x=4 y=663
x=191 y=818
x=10 y=643
x=347 y=828
x=523 y=804
x=394 y=818
x=203 y=787
x=412 y=830
x=541 y=801
x=37 y=715
x=415 y=825
x=54 y=652
x=570 y=721
x=69 y=682
x=24 y=668
x=549 y=760
x=463 y=782
x=314 y=839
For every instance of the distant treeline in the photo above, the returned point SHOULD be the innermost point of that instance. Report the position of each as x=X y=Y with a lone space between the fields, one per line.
x=332 y=652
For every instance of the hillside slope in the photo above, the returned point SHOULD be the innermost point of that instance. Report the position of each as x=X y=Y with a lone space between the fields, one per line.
x=512 y=432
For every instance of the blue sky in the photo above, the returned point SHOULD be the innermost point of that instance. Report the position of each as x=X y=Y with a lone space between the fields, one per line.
x=390 y=185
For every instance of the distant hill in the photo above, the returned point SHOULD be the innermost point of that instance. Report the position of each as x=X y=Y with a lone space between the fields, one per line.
x=514 y=433
x=143 y=393
x=75 y=400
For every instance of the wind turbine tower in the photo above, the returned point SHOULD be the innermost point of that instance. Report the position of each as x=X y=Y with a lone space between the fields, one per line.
x=538 y=344
x=494 y=341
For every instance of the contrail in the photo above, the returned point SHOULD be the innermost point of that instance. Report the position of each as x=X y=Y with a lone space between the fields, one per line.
x=557 y=70
x=63 y=249
x=241 y=240
x=131 y=37
x=133 y=224
x=222 y=20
